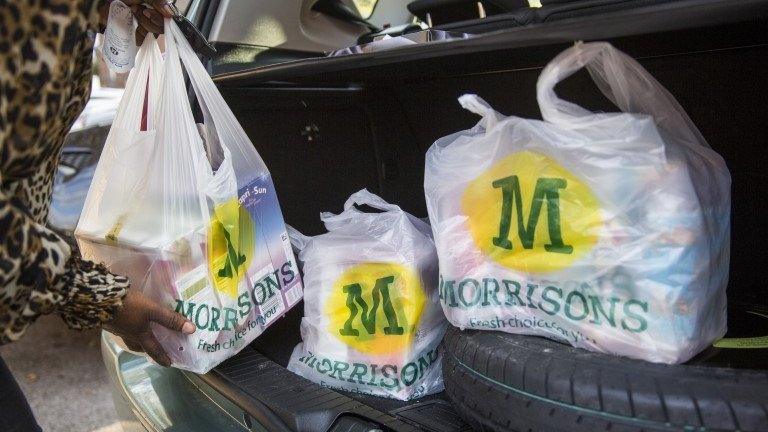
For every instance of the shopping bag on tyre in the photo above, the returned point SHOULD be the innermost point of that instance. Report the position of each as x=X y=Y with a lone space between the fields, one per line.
x=189 y=212
x=372 y=319
x=608 y=231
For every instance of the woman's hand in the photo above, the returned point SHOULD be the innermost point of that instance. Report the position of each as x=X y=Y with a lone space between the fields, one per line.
x=149 y=18
x=132 y=324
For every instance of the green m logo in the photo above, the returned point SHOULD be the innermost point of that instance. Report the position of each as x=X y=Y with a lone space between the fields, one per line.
x=231 y=245
x=505 y=204
x=234 y=259
x=375 y=307
x=547 y=191
x=381 y=296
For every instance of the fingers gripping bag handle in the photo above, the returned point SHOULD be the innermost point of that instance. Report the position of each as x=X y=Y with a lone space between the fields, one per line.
x=623 y=81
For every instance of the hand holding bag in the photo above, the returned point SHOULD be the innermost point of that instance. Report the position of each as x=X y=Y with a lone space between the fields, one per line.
x=202 y=232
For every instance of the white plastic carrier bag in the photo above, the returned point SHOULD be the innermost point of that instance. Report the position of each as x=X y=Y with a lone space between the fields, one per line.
x=372 y=318
x=189 y=212
x=608 y=231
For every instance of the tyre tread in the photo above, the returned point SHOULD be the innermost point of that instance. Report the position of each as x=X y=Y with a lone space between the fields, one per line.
x=475 y=363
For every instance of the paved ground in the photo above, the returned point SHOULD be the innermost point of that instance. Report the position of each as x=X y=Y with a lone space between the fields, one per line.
x=63 y=377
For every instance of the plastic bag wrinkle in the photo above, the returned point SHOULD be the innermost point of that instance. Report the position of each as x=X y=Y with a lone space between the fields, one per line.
x=642 y=195
x=360 y=250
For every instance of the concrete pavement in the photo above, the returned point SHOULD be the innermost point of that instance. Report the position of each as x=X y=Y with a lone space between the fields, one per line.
x=61 y=372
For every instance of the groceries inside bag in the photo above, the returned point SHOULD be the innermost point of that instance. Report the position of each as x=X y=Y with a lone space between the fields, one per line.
x=372 y=319
x=608 y=231
x=189 y=212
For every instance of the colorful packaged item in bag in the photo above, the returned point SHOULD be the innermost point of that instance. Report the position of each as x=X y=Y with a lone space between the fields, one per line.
x=372 y=319
x=607 y=231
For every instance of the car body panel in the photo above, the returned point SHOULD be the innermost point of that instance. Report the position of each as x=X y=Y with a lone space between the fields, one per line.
x=149 y=397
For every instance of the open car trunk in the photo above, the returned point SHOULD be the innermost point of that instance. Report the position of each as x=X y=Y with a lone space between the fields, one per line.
x=328 y=127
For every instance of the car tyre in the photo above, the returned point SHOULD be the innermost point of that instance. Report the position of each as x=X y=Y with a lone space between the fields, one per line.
x=505 y=382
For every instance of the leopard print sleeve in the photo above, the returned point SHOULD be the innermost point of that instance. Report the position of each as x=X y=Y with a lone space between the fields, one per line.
x=93 y=295
x=45 y=74
x=40 y=274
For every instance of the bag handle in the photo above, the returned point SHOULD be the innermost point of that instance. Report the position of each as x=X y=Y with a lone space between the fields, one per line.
x=218 y=116
x=147 y=75
x=475 y=104
x=361 y=197
x=136 y=112
x=181 y=157
x=364 y=197
x=623 y=81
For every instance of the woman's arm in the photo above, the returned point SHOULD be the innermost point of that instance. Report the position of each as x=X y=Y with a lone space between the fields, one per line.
x=39 y=275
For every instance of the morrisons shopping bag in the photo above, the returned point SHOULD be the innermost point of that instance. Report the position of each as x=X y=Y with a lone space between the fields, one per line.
x=189 y=213
x=372 y=319
x=608 y=231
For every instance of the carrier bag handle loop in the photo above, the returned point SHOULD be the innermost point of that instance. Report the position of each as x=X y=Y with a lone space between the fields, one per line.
x=350 y=213
x=475 y=104
x=142 y=88
x=364 y=197
x=623 y=81
x=220 y=120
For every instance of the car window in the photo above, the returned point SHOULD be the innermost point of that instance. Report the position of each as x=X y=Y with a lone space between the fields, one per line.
x=365 y=7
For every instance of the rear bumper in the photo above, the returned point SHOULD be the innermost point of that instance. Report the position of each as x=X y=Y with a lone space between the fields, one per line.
x=152 y=398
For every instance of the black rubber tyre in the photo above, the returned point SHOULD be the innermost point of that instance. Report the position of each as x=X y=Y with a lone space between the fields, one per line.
x=503 y=382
